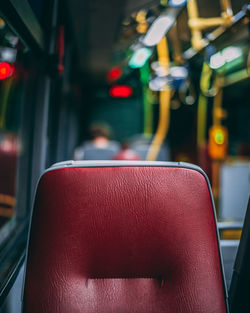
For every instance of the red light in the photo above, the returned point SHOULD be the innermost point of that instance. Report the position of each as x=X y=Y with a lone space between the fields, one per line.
x=114 y=74
x=6 y=70
x=121 y=91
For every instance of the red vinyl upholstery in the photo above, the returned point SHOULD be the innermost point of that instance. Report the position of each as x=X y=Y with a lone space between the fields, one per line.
x=123 y=239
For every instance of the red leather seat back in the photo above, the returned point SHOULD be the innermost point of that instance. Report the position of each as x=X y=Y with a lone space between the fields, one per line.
x=123 y=239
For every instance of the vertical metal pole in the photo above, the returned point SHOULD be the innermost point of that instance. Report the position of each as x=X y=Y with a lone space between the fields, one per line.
x=147 y=101
x=40 y=131
x=217 y=107
x=193 y=14
x=163 y=53
x=202 y=106
x=148 y=111
x=227 y=11
x=42 y=111
x=216 y=164
x=165 y=97
x=173 y=36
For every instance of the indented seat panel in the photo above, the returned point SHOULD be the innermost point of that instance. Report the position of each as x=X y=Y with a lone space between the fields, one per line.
x=130 y=239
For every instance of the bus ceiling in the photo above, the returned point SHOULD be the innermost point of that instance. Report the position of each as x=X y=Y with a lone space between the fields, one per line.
x=104 y=30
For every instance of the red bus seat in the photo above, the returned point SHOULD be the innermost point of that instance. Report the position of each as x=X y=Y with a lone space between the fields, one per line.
x=124 y=237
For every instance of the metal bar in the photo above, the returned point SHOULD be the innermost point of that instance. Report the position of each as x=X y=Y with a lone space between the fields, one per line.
x=165 y=97
x=42 y=111
x=202 y=106
x=163 y=125
x=197 y=41
x=163 y=54
x=40 y=132
x=218 y=98
x=226 y=8
x=173 y=36
x=203 y=23
x=214 y=36
x=235 y=78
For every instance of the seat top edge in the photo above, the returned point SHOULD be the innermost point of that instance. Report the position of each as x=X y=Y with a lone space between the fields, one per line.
x=117 y=163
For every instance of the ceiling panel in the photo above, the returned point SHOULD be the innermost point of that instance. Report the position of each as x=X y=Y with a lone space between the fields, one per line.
x=97 y=26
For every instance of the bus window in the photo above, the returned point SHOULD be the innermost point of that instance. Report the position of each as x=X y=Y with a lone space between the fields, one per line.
x=10 y=111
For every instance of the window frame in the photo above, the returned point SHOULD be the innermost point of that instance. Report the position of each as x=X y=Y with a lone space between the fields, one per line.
x=33 y=130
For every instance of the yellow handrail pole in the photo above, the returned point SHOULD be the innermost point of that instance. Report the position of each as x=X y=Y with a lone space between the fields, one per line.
x=163 y=53
x=227 y=12
x=192 y=8
x=198 y=24
x=164 y=99
x=163 y=124
x=203 y=23
x=216 y=164
x=202 y=106
x=217 y=107
x=173 y=36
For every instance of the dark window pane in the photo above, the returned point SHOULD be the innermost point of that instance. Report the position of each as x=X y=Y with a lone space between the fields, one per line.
x=11 y=88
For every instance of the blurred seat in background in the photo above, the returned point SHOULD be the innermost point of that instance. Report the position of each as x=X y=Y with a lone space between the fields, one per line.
x=140 y=144
x=127 y=153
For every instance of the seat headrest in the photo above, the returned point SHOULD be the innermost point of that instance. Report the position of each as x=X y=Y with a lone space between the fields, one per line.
x=114 y=220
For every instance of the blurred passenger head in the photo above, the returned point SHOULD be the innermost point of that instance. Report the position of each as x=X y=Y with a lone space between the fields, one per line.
x=98 y=130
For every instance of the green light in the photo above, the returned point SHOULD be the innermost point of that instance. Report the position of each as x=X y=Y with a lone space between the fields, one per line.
x=140 y=57
x=219 y=137
x=145 y=74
